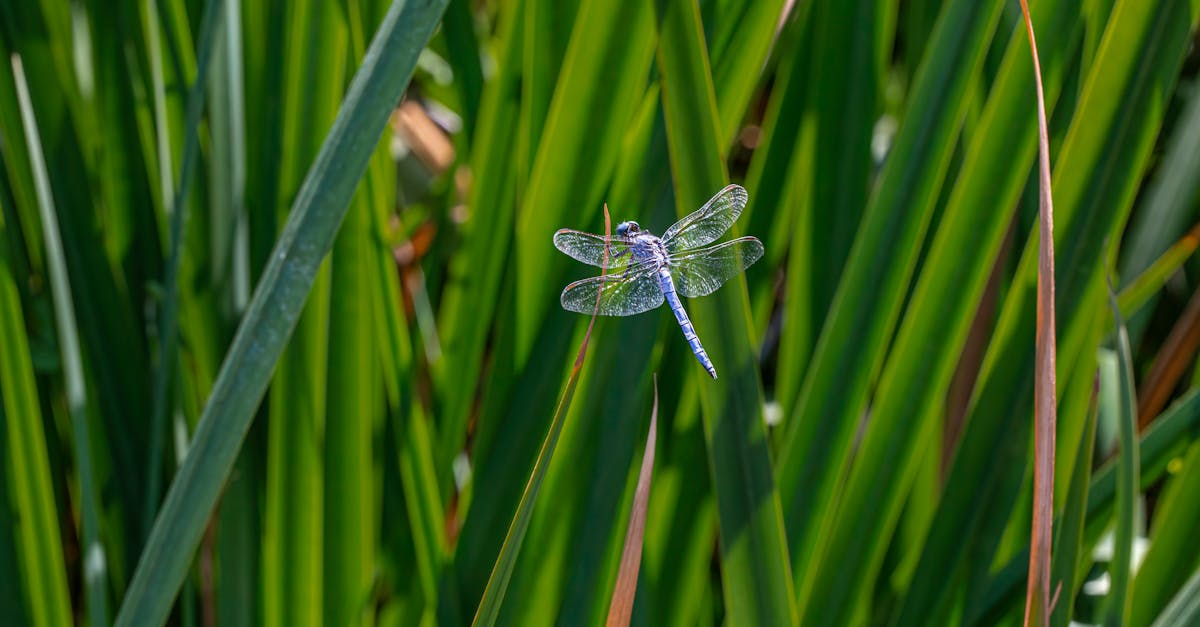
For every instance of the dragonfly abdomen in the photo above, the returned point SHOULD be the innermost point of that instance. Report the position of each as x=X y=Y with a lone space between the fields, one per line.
x=689 y=332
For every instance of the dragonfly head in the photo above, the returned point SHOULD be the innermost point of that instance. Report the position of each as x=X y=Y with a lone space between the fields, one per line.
x=625 y=229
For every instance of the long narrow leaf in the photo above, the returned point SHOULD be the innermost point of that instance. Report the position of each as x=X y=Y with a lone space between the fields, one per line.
x=43 y=584
x=209 y=29
x=1119 y=601
x=1172 y=555
x=1184 y=609
x=754 y=562
x=95 y=575
x=276 y=305
x=621 y=608
x=1037 y=598
x=497 y=586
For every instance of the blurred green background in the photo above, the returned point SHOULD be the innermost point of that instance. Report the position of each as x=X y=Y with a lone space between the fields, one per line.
x=865 y=457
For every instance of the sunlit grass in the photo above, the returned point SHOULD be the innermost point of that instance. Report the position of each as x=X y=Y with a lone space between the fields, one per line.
x=276 y=353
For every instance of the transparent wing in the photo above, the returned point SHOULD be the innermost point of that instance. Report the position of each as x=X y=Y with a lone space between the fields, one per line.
x=620 y=294
x=701 y=272
x=589 y=248
x=707 y=223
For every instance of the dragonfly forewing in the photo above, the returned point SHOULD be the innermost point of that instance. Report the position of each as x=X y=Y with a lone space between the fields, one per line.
x=707 y=223
x=701 y=272
x=589 y=248
x=620 y=294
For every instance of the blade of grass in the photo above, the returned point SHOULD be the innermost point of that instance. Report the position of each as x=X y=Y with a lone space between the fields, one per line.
x=349 y=527
x=754 y=563
x=1120 y=603
x=610 y=51
x=1069 y=535
x=95 y=568
x=777 y=171
x=463 y=47
x=1038 y=602
x=1093 y=193
x=610 y=46
x=953 y=280
x=1139 y=291
x=1171 y=362
x=747 y=53
x=497 y=585
x=275 y=308
x=838 y=555
x=621 y=608
x=1184 y=609
x=475 y=277
x=43 y=574
x=1172 y=555
x=1160 y=443
x=316 y=52
x=1163 y=213
x=567 y=576
x=164 y=372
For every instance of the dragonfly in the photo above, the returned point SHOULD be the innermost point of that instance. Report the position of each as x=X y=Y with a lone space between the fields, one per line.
x=645 y=270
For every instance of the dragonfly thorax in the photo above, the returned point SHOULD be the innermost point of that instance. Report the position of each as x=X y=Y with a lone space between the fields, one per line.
x=648 y=248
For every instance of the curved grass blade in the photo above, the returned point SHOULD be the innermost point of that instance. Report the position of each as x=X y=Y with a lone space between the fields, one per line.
x=839 y=547
x=621 y=608
x=497 y=585
x=1172 y=362
x=95 y=567
x=1184 y=609
x=1037 y=596
x=1069 y=538
x=26 y=467
x=1120 y=105
x=754 y=563
x=1160 y=443
x=1172 y=554
x=1140 y=290
x=213 y=15
x=273 y=312
x=1119 y=600
x=954 y=278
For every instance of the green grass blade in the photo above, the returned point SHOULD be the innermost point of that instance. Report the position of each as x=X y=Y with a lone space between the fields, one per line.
x=1172 y=555
x=1093 y=193
x=1140 y=291
x=753 y=548
x=475 y=277
x=497 y=585
x=776 y=172
x=1163 y=214
x=316 y=46
x=463 y=47
x=742 y=60
x=846 y=58
x=600 y=87
x=1162 y=442
x=95 y=575
x=43 y=575
x=1184 y=609
x=837 y=561
x=962 y=254
x=1068 y=538
x=276 y=306
x=598 y=91
x=351 y=405
x=169 y=319
x=1120 y=602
